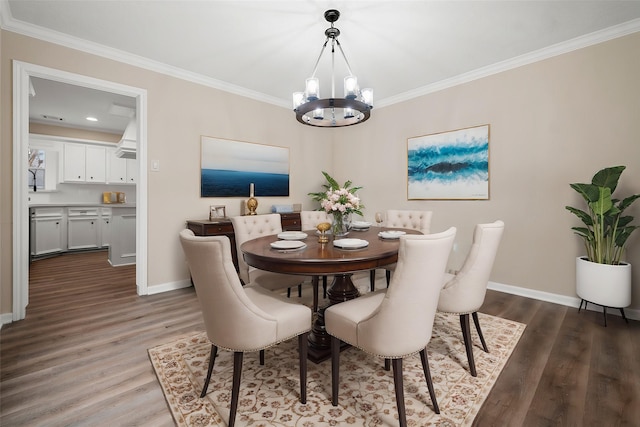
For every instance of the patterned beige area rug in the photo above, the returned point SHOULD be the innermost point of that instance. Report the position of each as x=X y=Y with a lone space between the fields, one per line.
x=269 y=394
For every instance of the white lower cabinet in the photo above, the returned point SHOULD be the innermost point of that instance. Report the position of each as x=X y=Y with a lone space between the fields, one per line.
x=61 y=229
x=105 y=227
x=83 y=228
x=48 y=231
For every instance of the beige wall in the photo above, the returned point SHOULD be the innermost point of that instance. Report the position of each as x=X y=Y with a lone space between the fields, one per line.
x=179 y=112
x=552 y=123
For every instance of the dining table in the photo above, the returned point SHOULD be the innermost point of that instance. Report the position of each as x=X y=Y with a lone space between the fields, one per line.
x=362 y=250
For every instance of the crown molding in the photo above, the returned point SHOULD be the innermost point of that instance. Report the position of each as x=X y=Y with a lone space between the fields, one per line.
x=587 y=40
x=7 y=22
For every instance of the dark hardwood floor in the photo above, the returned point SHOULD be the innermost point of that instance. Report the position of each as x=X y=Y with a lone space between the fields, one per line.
x=80 y=356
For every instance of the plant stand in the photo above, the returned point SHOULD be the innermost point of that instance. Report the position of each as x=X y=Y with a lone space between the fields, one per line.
x=604 y=310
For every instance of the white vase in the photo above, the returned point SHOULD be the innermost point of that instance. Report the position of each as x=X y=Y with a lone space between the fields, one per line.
x=603 y=284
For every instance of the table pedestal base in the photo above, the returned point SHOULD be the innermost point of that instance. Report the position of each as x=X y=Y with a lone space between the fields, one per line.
x=341 y=289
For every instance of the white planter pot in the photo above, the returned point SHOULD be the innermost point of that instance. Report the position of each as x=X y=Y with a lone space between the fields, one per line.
x=603 y=284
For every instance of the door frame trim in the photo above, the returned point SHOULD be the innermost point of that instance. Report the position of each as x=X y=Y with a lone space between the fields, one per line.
x=22 y=72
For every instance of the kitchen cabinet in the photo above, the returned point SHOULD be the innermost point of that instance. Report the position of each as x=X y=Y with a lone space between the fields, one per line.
x=122 y=247
x=105 y=227
x=122 y=171
x=83 y=228
x=47 y=231
x=84 y=163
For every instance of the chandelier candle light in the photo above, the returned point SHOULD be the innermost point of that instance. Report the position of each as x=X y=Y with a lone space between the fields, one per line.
x=356 y=105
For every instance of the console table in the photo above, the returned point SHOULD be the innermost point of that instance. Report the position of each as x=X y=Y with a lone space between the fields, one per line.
x=224 y=227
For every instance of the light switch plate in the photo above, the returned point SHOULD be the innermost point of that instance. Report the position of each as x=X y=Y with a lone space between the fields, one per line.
x=155 y=165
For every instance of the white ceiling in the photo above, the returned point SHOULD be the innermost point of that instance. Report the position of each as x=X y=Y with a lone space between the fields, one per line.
x=265 y=49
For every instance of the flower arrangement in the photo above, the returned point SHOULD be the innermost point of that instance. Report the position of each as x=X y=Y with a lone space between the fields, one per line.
x=337 y=198
x=341 y=201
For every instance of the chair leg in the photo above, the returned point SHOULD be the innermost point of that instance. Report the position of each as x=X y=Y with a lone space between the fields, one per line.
x=324 y=286
x=212 y=360
x=335 y=369
x=299 y=291
x=288 y=292
x=466 y=334
x=388 y=275
x=235 y=388
x=372 y=280
x=387 y=364
x=604 y=313
x=399 y=386
x=476 y=321
x=303 y=340
x=427 y=375
x=261 y=357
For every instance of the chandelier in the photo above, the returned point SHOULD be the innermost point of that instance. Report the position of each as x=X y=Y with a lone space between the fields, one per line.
x=356 y=105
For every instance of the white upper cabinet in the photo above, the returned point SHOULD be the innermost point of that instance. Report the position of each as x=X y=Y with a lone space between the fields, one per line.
x=96 y=166
x=74 y=163
x=84 y=163
x=121 y=170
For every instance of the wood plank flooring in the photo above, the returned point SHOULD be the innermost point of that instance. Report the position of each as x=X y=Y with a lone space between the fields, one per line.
x=80 y=357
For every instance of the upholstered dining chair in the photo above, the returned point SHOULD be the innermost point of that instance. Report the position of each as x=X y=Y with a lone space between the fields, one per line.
x=463 y=293
x=309 y=221
x=241 y=319
x=411 y=219
x=396 y=322
x=247 y=227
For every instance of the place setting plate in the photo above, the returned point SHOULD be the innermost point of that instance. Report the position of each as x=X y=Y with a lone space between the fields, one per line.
x=350 y=243
x=288 y=244
x=360 y=225
x=292 y=235
x=391 y=234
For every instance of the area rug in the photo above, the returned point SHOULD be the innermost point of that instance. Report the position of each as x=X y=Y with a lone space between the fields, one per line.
x=269 y=394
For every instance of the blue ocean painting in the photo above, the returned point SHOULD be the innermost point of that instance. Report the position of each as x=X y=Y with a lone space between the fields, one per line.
x=450 y=165
x=229 y=183
x=228 y=168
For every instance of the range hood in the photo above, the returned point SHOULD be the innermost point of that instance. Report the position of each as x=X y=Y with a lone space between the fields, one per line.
x=126 y=148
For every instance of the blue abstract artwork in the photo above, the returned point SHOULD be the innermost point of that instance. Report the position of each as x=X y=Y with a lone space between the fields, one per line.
x=228 y=168
x=449 y=165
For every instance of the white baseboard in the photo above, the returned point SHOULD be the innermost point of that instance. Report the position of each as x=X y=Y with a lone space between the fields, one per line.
x=557 y=299
x=5 y=318
x=169 y=286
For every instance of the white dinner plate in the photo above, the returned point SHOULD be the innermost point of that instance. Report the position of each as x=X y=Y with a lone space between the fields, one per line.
x=391 y=234
x=288 y=244
x=292 y=235
x=350 y=243
x=360 y=224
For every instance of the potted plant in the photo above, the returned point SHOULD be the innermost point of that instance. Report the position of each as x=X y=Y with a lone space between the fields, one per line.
x=602 y=277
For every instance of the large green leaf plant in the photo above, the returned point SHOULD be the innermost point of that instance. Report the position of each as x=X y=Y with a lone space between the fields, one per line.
x=606 y=230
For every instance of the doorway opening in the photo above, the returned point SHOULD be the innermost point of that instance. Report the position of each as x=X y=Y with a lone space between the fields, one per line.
x=22 y=73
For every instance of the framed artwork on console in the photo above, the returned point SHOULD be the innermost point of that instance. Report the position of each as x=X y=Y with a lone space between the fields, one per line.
x=231 y=168
x=451 y=165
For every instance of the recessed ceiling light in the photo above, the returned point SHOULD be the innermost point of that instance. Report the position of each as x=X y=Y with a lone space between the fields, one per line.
x=92 y=119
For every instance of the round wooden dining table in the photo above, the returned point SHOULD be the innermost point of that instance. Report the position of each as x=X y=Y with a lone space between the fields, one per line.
x=324 y=259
